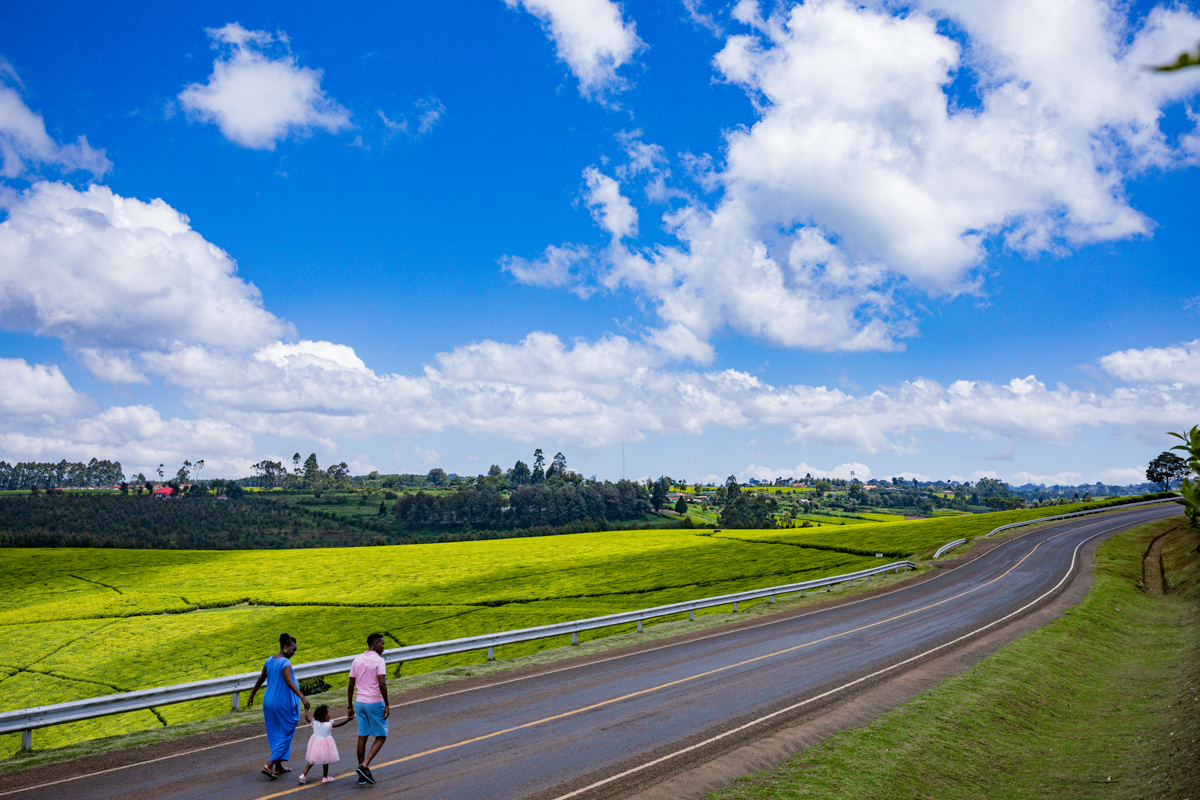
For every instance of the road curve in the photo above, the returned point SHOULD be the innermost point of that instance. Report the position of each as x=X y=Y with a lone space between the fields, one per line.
x=592 y=730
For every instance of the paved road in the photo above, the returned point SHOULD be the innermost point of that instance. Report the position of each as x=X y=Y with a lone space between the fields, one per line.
x=591 y=730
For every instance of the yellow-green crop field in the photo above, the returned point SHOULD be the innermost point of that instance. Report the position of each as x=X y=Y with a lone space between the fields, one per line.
x=77 y=623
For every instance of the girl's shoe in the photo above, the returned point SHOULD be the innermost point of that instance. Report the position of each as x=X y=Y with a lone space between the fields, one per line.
x=303 y=779
x=326 y=780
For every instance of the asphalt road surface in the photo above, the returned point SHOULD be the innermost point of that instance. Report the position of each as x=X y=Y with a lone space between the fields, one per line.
x=603 y=728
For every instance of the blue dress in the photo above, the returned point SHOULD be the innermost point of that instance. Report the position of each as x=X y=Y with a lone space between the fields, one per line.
x=281 y=710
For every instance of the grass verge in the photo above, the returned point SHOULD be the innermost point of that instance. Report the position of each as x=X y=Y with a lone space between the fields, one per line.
x=1104 y=702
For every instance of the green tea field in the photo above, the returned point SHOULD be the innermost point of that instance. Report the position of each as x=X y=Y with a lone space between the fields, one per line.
x=81 y=622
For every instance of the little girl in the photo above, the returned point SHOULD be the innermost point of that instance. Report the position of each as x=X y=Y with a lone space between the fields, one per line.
x=321 y=747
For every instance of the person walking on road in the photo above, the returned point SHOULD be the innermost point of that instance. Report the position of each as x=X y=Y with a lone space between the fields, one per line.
x=368 y=680
x=281 y=705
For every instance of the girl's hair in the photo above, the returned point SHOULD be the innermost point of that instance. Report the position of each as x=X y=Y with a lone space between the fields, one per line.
x=321 y=713
x=285 y=639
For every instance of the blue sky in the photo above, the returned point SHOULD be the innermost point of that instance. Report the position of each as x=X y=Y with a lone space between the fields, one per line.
x=725 y=238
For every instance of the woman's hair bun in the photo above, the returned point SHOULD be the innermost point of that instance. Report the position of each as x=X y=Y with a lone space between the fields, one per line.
x=284 y=638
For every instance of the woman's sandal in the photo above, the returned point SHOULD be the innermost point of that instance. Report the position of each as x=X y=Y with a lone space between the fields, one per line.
x=266 y=770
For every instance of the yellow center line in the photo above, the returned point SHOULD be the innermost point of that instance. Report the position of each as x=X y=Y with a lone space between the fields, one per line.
x=676 y=682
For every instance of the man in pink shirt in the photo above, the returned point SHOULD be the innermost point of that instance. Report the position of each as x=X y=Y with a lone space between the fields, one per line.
x=368 y=674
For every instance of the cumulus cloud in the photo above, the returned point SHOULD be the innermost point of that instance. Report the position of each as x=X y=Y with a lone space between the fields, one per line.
x=1175 y=364
x=870 y=174
x=38 y=394
x=258 y=94
x=596 y=394
x=108 y=274
x=591 y=37
x=24 y=143
x=612 y=211
x=558 y=266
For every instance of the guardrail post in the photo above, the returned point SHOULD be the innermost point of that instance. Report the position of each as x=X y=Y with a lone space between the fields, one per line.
x=491 y=654
x=639 y=626
x=235 y=701
x=852 y=581
x=691 y=615
x=772 y=600
x=574 y=637
x=735 y=606
x=802 y=593
x=27 y=740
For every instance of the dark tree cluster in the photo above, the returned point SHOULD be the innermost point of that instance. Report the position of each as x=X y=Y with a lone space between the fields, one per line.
x=747 y=509
x=26 y=475
x=535 y=505
x=150 y=522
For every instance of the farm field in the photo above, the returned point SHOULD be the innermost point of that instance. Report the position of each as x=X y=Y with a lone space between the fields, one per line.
x=76 y=623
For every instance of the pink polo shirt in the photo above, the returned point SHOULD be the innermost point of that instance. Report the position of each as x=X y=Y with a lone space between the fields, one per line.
x=366 y=670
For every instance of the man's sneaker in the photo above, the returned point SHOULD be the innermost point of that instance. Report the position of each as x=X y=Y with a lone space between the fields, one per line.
x=364 y=775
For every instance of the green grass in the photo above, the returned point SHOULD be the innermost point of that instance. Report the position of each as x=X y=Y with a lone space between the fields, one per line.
x=83 y=622
x=1102 y=703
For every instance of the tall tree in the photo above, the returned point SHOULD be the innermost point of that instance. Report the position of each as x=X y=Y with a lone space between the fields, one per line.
x=658 y=494
x=312 y=471
x=539 y=466
x=1165 y=468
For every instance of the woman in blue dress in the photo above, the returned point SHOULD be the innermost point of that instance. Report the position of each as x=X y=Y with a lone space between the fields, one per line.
x=281 y=705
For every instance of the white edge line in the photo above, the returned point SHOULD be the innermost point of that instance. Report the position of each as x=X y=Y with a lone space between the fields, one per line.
x=844 y=686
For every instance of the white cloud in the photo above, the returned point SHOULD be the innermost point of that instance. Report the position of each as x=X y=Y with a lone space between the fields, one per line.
x=430 y=111
x=37 y=394
x=257 y=100
x=1060 y=478
x=612 y=211
x=864 y=177
x=25 y=144
x=108 y=274
x=1175 y=364
x=586 y=395
x=595 y=394
x=1122 y=476
x=591 y=37
x=558 y=266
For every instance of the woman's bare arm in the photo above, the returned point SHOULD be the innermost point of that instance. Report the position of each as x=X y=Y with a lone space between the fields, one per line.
x=262 y=677
x=291 y=682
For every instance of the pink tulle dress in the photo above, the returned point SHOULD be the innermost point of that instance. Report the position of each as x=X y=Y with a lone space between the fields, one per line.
x=321 y=747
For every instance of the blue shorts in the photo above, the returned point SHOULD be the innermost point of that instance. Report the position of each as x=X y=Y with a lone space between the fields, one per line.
x=370 y=719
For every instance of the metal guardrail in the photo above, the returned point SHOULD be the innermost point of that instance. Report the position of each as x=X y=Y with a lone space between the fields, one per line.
x=1081 y=514
x=27 y=719
x=949 y=546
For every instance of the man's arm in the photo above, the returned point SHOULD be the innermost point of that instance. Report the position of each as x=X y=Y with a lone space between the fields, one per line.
x=350 y=695
x=383 y=691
